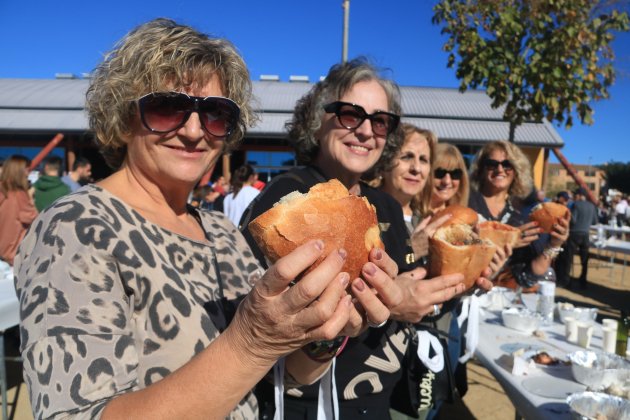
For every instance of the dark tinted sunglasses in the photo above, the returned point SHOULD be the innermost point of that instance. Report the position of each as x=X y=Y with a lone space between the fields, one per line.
x=163 y=112
x=494 y=164
x=352 y=116
x=456 y=174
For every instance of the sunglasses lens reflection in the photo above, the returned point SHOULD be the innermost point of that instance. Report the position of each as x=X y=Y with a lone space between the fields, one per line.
x=165 y=112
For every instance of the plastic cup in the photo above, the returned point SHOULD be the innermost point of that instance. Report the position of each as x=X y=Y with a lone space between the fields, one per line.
x=610 y=339
x=610 y=323
x=584 y=334
x=570 y=329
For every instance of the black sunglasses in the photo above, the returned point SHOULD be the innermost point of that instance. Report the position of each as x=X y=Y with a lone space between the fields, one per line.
x=456 y=174
x=352 y=116
x=493 y=164
x=163 y=112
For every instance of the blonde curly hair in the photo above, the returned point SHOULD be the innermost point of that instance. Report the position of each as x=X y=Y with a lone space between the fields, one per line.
x=523 y=182
x=156 y=56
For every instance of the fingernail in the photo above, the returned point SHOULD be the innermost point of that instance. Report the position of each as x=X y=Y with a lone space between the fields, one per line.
x=319 y=244
x=348 y=299
x=378 y=254
x=342 y=253
x=345 y=279
x=369 y=269
x=359 y=285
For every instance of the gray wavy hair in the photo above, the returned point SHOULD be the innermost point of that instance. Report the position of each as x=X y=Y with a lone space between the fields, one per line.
x=309 y=110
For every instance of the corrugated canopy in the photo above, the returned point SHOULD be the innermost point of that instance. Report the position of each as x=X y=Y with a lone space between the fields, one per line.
x=51 y=106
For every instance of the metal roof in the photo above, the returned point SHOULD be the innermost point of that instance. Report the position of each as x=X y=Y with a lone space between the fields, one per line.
x=42 y=105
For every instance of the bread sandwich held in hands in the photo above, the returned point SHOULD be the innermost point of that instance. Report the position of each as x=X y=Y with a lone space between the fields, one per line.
x=499 y=233
x=457 y=248
x=547 y=214
x=327 y=212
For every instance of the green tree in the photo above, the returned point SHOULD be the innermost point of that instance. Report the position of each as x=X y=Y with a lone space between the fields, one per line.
x=618 y=175
x=541 y=58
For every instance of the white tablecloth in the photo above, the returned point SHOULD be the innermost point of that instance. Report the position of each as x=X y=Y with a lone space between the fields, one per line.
x=496 y=343
x=9 y=306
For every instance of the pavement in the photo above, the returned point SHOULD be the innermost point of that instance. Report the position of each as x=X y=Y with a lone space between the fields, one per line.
x=608 y=290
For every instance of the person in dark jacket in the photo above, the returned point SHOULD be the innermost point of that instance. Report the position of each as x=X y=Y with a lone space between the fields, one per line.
x=583 y=215
x=49 y=187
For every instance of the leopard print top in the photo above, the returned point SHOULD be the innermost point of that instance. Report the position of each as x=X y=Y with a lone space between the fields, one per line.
x=111 y=303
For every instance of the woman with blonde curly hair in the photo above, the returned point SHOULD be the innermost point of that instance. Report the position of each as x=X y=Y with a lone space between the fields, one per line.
x=501 y=179
x=145 y=298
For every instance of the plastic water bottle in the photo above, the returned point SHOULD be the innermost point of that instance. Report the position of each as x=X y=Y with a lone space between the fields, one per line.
x=545 y=303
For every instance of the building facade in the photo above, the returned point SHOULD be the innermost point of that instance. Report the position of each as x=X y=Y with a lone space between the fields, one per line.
x=33 y=111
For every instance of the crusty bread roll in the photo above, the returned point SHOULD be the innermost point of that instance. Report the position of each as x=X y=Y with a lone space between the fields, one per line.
x=547 y=214
x=460 y=214
x=327 y=212
x=457 y=249
x=499 y=233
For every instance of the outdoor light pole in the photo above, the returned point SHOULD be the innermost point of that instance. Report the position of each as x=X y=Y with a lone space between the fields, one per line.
x=346 y=23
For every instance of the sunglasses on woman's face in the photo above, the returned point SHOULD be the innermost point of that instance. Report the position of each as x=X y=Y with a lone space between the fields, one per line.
x=351 y=116
x=456 y=174
x=494 y=164
x=163 y=112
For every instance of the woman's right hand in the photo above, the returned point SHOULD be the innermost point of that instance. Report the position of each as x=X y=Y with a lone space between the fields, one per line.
x=421 y=294
x=275 y=319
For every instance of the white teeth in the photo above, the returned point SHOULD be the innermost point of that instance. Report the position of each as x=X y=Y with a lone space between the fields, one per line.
x=359 y=148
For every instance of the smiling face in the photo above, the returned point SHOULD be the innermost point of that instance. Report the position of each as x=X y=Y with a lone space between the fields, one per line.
x=446 y=187
x=177 y=159
x=347 y=154
x=411 y=169
x=498 y=178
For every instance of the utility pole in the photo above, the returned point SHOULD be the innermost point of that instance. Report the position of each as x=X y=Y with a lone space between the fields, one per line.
x=346 y=22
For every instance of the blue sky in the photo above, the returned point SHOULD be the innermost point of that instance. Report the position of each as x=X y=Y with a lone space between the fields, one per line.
x=286 y=37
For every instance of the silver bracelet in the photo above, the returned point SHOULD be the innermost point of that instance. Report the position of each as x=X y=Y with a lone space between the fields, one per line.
x=552 y=252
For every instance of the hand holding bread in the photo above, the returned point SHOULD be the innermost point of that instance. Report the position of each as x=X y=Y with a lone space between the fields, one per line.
x=456 y=248
x=548 y=214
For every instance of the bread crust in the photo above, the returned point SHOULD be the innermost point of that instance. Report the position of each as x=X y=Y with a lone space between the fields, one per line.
x=499 y=233
x=447 y=258
x=327 y=212
x=547 y=214
x=459 y=214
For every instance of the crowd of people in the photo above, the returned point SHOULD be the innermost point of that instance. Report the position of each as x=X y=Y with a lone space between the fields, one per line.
x=164 y=307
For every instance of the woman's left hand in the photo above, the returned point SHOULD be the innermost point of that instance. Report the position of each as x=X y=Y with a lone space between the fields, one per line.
x=421 y=234
x=560 y=232
x=374 y=294
x=529 y=233
x=483 y=283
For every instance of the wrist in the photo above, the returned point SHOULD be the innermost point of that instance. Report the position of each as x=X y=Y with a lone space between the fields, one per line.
x=552 y=252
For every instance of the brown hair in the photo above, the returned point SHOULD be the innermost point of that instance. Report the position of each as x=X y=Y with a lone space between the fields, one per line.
x=13 y=177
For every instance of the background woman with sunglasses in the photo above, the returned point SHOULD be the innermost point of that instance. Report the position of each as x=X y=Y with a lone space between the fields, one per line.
x=501 y=178
x=340 y=129
x=129 y=296
x=410 y=180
